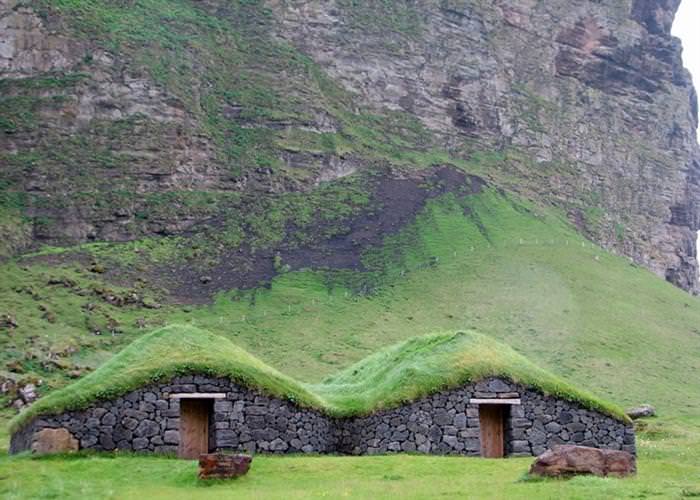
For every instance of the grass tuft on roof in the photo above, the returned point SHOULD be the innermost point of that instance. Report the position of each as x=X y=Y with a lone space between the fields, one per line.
x=392 y=376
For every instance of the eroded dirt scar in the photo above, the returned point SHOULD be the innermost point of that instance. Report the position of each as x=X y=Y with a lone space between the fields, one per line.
x=396 y=199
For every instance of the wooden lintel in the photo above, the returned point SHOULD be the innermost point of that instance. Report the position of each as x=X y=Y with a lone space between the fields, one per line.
x=494 y=401
x=199 y=395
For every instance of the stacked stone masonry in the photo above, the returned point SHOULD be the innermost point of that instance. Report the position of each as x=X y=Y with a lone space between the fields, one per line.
x=148 y=420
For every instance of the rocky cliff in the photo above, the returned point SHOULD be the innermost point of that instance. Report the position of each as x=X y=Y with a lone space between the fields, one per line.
x=114 y=130
x=591 y=94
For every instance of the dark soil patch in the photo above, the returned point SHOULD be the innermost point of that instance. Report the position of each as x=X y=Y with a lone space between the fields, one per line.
x=395 y=202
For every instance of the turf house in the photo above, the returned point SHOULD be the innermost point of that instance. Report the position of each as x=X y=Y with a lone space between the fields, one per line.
x=185 y=391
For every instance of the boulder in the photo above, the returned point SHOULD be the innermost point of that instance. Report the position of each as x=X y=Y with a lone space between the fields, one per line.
x=570 y=460
x=54 y=441
x=223 y=466
x=28 y=393
x=642 y=411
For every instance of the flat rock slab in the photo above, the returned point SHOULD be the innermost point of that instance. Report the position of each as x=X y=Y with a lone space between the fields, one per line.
x=223 y=466
x=571 y=460
x=54 y=441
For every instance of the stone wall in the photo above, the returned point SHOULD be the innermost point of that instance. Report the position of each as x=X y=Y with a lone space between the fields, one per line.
x=542 y=422
x=148 y=420
x=444 y=423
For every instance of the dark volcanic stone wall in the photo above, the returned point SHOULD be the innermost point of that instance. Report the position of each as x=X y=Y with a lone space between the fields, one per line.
x=444 y=423
x=542 y=422
x=148 y=420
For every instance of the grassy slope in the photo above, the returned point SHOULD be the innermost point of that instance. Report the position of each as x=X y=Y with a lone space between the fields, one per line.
x=403 y=372
x=520 y=276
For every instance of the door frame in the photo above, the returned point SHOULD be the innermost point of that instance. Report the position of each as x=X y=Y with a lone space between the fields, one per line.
x=505 y=405
x=196 y=414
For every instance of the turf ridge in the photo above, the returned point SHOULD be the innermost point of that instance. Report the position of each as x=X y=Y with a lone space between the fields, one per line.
x=397 y=374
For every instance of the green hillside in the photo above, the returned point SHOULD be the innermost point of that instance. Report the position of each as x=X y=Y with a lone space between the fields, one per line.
x=515 y=272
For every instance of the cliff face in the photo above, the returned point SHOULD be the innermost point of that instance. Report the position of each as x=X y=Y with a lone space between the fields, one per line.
x=592 y=95
x=117 y=132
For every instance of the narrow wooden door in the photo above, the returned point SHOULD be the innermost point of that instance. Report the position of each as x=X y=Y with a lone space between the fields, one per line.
x=491 y=422
x=194 y=428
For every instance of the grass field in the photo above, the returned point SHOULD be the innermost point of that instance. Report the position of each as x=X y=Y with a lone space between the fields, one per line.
x=669 y=467
x=516 y=273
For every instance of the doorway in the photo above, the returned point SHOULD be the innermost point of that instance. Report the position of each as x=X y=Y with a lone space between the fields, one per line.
x=194 y=427
x=491 y=421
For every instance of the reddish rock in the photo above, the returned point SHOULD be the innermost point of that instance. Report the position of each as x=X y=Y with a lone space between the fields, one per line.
x=223 y=466
x=569 y=460
x=54 y=441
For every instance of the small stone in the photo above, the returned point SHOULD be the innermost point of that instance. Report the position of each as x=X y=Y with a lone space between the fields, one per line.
x=520 y=446
x=147 y=428
x=54 y=441
x=109 y=419
x=140 y=444
x=107 y=442
x=537 y=437
x=553 y=427
x=565 y=417
x=8 y=321
x=643 y=411
x=278 y=445
x=576 y=427
x=28 y=393
x=171 y=437
x=150 y=397
x=498 y=385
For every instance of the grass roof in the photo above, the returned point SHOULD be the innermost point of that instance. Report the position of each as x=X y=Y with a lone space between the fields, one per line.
x=394 y=375
x=160 y=355
x=424 y=365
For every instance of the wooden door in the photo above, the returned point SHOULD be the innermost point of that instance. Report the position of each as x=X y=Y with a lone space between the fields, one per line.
x=491 y=422
x=194 y=428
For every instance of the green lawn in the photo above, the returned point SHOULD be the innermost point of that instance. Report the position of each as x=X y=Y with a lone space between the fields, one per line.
x=669 y=467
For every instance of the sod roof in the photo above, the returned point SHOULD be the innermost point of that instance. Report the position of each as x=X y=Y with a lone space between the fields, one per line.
x=395 y=375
